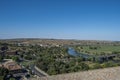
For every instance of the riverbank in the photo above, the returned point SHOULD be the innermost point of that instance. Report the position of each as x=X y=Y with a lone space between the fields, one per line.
x=99 y=58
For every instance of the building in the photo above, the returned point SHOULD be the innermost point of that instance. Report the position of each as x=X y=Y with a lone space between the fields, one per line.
x=11 y=53
x=15 y=69
x=12 y=66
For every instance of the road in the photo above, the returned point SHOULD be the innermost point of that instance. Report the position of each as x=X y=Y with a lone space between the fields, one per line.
x=38 y=72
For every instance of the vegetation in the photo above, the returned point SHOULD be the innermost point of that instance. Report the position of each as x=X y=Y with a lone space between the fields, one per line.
x=15 y=58
x=98 y=49
x=3 y=73
x=1 y=58
x=54 y=59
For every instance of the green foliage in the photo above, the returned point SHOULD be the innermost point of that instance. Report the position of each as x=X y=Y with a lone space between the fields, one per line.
x=3 y=71
x=1 y=58
x=93 y=47
x=98 y=49
x=84 y=66
x=4 y=48
x=95 y=66
x=56 y=60
x=79 y=59
x=108 y=64
x=1 y=77
x=15 y=58
x=12 y=78
x=53 y=61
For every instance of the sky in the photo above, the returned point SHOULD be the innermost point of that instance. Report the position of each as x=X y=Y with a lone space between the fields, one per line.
x=60 y=19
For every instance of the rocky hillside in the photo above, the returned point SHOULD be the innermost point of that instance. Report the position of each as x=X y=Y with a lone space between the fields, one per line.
x=100 y=74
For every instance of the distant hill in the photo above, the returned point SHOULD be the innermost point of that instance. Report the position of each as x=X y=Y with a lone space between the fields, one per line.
x=59 y=41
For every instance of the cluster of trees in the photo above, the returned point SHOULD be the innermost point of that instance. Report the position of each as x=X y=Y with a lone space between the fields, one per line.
x=55 y=60
x=1 y=58
x=104 y=65
x=47 y=62
x=93 y=47
x=3 y=73
x=53 y=67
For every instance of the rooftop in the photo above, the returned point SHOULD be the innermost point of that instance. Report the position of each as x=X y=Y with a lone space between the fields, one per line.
x=11 y=65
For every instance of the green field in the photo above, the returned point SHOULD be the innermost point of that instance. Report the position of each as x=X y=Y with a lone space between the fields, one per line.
x=98 y=50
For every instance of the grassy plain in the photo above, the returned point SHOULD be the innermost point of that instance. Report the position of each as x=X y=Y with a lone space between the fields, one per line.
x=99 y=50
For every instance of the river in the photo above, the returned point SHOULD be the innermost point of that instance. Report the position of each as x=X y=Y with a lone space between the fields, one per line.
x=99 y=58
x=74 y=53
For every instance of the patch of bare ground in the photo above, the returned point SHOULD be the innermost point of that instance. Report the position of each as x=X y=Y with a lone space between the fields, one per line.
x=99 y=74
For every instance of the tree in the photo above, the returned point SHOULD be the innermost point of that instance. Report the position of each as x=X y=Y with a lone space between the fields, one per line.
x=28 y=57
x=96 y=66
x=79 y=59
x=1 y=58
x=12 y=78
x=15 y=58
x=93 y=47
x=4 y=48
x=3 y=71
x=107 y=64
x=91 y=59
x=84 y=66
x=52 y=70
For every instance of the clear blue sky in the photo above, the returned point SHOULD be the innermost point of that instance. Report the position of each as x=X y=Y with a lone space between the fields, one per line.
x=66 y=19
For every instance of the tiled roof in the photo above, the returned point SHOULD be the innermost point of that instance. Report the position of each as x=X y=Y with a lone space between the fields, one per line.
x=11 y=52
x=12 y=66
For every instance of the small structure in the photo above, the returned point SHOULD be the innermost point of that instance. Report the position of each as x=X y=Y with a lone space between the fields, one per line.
x=15 y=69
x=12 y=66
x=11 y=53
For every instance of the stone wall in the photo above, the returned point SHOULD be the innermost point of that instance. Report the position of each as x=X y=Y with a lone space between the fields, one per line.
x=99 y=74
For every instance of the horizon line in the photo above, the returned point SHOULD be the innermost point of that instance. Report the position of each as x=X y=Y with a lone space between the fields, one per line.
x=57 y=39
